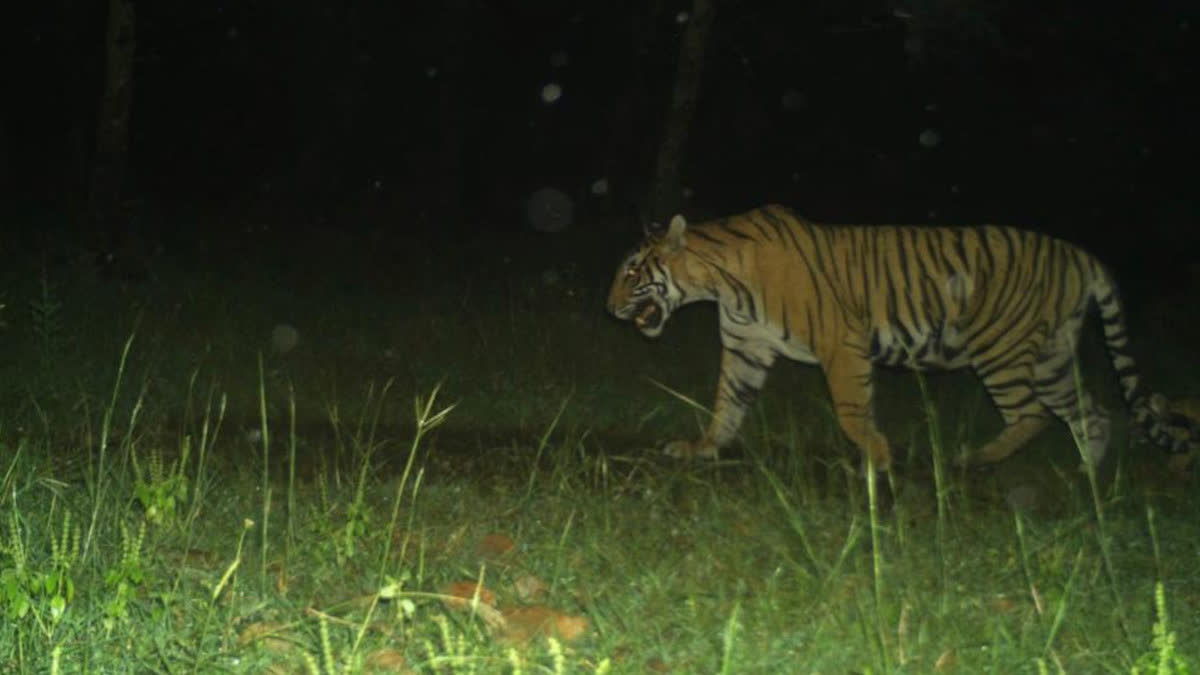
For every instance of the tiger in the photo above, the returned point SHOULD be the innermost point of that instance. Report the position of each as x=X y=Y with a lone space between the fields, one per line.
x=1188 y=409
x=1005 y=303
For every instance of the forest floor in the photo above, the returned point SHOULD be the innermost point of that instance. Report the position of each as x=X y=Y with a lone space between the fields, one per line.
x=318 y=452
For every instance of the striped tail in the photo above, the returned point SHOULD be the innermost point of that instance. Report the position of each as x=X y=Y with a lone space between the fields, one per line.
x=1169 y=430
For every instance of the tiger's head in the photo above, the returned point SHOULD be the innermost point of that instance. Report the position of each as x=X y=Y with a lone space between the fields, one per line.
x=644 y=289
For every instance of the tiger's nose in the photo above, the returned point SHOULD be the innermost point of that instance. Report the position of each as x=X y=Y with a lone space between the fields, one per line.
x=615 y=308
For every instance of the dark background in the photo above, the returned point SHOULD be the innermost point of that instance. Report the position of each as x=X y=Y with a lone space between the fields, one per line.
x=404 y=119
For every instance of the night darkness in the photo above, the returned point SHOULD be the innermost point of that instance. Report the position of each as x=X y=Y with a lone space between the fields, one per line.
x=1076 y=122
x=240 y=239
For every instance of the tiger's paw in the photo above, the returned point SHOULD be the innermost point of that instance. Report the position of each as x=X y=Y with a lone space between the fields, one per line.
x=690 y=450
x=971 y=459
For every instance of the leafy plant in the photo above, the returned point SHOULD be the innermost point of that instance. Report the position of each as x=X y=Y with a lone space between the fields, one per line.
x=41 y=594
x=1163 y=659
x=160 y=490
x=123 y=580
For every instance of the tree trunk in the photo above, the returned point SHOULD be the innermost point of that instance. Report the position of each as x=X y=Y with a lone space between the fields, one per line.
x=625 y=153
x=107 y=175
x=452 y=111
x=667 y=193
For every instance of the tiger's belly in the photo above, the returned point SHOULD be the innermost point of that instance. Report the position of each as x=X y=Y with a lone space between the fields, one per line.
x=765 y=341
x=937 y=348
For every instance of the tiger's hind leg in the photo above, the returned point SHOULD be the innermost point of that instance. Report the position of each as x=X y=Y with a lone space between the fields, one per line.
x=1015 y=435
x=1060 y=390
x=1012 y=391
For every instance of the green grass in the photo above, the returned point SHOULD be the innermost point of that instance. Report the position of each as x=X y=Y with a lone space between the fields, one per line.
x=175 y=497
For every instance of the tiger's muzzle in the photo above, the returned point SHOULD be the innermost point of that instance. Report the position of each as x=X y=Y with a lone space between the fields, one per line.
x=648 y=317
x=646 y=313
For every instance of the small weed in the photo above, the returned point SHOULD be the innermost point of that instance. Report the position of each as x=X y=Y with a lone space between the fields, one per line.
x=46 y=322
x=1164 y=658
x=125 y=577
x=35 y=589
x=160 y=490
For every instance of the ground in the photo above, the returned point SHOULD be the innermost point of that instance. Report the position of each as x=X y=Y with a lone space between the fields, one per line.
x=223 y=499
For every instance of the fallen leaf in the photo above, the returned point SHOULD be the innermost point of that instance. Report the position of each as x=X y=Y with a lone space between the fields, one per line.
x=525 y=623
x=657 y=665
x=945 y=662
x=461 y=594
x=281 y=576
x=495 y=545
x=267 y=634
x=1003 y=603
x=530 y=588
x=386 y=661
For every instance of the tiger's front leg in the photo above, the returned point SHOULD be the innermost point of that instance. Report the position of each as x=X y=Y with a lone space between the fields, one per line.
x=742 y=377
x=850 y=386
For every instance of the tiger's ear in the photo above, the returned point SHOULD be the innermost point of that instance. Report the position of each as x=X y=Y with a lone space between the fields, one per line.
x=674 y=237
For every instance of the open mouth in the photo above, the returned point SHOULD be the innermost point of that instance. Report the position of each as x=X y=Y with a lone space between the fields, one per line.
x=648 y=316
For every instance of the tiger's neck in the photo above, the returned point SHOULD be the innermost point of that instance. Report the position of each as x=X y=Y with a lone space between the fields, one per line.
x=715 y=269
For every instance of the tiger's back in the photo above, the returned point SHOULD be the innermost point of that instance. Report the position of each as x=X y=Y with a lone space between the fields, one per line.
x=1007 y=303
